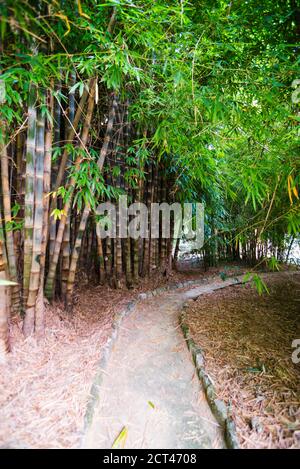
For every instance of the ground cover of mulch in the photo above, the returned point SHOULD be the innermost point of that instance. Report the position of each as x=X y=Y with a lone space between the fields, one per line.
x=45 y=385
x=247 y=343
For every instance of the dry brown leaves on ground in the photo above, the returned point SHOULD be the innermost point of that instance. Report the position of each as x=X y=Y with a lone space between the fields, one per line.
x=247 y=341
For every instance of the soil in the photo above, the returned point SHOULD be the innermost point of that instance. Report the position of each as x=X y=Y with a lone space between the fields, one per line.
x=247 y=342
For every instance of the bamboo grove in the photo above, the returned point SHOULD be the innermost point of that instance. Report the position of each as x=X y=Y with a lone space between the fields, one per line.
x=155 y=101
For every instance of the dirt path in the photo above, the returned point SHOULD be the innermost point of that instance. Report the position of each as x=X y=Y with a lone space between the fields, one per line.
x=150 y=386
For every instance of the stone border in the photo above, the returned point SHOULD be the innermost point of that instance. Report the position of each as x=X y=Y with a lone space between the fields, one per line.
x=218 y=407
x=117 y=321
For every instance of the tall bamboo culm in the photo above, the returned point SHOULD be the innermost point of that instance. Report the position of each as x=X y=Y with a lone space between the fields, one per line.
x=4 y=309
x=40 y=304
x=29 y=320
x=11 y=256
x=86 y=211
x=29 y=191
x=49 y=287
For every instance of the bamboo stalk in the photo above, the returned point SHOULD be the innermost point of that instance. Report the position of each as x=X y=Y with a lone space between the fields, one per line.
x=11 y=257
x=55 y=166
x=75 y=256
x=118 y=243
x=65 y=264
x=4 y=309
x=100 y=256
x=29 y=191
x=29 y=320
x=86 y=211
x=70 y=136
x=39 y=313
x=128 y=266
x=153 y=241
x=49 y=287
x=147 y=244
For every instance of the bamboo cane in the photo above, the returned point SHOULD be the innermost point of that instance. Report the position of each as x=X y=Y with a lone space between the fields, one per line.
x=86 y=211
x=29 y=191
x=49 y=287
x=29 y=320
x=11 y=256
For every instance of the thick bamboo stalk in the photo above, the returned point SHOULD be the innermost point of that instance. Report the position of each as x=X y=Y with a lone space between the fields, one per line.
x=4 y=310
x=20 y=191
x=19 y=161
x=65 y=264
x=148 y=197
x=75 y=256
x=127 y=243
x=39 y=313
x=138 y=243
x=163 y=241
x=49 y=287
x=118 y=161
x=170 y=243
x=154 y=241
x=100 y=256
x=56 y=183
x=29 y=192
x=118 y=258
x=108 y=133
x=108 y=258
x=11 y=257
x=71 y=135
x=55 y=166
x=86 y=211
x=29 y=320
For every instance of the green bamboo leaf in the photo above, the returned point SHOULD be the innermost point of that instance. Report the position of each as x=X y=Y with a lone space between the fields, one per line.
x=121 y=439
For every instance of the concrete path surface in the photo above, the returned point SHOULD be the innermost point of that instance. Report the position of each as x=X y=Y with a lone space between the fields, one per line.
x=149 y=388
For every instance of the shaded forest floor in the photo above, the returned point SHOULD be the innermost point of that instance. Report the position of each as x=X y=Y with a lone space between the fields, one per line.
x=44 y=386
x=247 y=341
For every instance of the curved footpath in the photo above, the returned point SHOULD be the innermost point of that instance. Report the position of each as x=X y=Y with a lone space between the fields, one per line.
x=149 y=391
